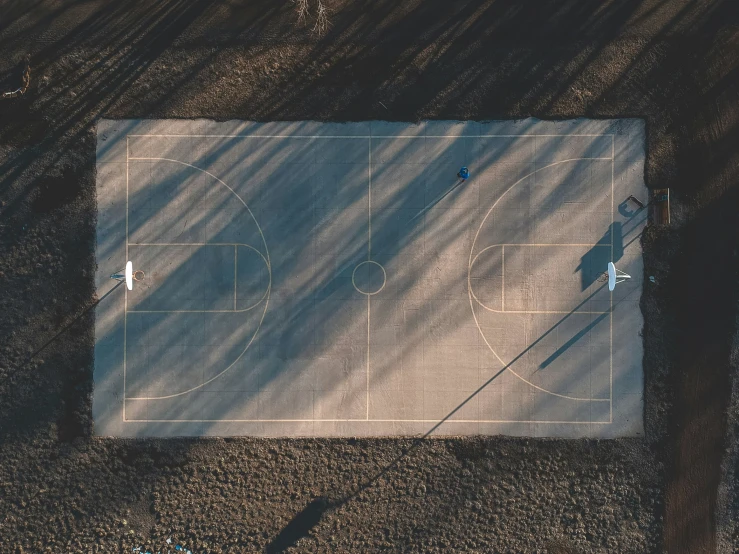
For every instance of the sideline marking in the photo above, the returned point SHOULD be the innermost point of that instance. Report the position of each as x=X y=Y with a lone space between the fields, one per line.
x=125 y=296
x=383 y=136
x=613 y=152
x=363 y=421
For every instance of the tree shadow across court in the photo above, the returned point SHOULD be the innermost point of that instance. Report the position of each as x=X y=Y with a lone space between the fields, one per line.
x=290 y=335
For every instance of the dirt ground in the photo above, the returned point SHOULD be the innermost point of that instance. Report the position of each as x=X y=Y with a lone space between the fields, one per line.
x=672 y=62
x=727 y=509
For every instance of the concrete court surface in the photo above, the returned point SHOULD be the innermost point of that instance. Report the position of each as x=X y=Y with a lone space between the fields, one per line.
x=315 y=279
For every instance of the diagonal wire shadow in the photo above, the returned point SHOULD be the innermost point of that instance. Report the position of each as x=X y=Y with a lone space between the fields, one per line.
x=438 y=199
x=580 y=334
x=72 y=322
x=301 y=525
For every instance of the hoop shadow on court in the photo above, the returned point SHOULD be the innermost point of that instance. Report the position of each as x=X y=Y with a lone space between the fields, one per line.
x=593 y=262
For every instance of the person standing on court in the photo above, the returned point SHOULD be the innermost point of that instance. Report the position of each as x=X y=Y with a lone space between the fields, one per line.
x=464 y=173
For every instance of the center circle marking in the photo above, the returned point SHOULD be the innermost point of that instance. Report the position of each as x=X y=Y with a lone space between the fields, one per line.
x=370 y=289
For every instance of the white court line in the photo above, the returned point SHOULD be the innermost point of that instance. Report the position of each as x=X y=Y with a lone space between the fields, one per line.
x=369 y=200
x=368 y=355
x=369 y=258
x=359 y=137
x=449 y=421
x=236 y=261
x=580 y=244
x=541 y=312
x=197 y=311
x=199 y=244
x=372 y=136
x=469 y=284
x=613 y=153
x=125 y=295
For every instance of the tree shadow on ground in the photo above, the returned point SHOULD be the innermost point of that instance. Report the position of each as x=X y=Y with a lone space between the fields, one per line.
x=669 y=63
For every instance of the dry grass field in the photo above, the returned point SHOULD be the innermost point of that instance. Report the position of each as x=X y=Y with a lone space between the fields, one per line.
x=673 y=63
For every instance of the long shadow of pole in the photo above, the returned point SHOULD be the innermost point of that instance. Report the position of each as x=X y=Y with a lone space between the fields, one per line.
x=309 y=517
x=68 y=325
x=438 y=199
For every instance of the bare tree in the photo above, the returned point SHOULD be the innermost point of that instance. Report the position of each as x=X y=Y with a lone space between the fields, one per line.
x=304 y=11
x=321 y=25
x=301 y=6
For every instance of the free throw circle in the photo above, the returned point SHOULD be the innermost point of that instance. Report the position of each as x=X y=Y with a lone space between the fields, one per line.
x=369 y=277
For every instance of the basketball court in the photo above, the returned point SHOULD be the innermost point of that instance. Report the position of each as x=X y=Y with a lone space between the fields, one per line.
x=313 y=279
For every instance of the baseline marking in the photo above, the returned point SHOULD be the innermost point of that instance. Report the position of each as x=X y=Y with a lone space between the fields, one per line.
x=613 y=153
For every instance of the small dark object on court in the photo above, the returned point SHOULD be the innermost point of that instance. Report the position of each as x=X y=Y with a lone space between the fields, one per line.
x=636 y=201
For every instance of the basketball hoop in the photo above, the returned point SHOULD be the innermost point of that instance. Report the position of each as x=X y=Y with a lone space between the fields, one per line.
x=129 y=276
x=615 y=276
